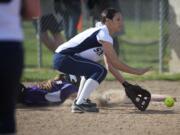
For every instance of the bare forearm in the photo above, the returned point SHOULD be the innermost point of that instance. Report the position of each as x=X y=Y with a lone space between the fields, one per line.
x=125 y=68
x=119 y=65
x=117 y=75
x=116 y=63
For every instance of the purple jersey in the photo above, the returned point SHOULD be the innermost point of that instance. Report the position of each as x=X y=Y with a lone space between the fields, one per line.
x=60 y=91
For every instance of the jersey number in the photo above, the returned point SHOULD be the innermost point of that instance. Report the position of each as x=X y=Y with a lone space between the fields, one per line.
x=98 y=51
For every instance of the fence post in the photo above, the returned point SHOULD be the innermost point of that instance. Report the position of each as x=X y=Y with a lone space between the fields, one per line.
x=39 y=46
x=161 y=12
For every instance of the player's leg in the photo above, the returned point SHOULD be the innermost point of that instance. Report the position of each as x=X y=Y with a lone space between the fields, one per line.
x=82 y=82
x=93 y=71
x=11 y=57
x=67 y=90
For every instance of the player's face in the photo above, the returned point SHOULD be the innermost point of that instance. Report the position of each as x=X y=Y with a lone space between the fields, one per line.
x=117 y=22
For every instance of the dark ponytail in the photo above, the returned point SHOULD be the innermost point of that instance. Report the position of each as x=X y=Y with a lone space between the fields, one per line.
x=108 y=13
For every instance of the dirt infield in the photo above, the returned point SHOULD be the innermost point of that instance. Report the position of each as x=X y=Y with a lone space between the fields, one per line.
x=115 y=119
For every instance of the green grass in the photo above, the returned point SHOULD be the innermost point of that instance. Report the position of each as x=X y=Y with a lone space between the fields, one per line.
x=36 y=74
x=155 y=76
x=139 y=45
x=144 y=31
x=140 y=56
x=134 y=55
x=31 y=49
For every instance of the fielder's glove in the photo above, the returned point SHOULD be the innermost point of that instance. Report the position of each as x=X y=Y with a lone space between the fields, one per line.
x=139 y=96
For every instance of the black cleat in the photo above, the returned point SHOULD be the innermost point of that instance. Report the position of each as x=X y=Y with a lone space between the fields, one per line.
x=84 y=107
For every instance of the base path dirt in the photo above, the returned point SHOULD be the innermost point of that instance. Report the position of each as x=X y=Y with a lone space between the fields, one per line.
x=115 y=119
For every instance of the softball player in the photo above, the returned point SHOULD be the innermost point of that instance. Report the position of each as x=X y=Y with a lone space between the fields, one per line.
x=51 y=92
x=80 y=55
x=11 y=57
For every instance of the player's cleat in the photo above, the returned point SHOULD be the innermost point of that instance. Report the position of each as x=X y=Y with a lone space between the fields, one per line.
x=84 y=107
x=88 y=101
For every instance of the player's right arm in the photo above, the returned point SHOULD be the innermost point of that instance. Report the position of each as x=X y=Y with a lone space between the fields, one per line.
x=113 y=71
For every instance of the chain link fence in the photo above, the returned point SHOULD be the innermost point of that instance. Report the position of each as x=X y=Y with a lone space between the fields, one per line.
x=146 y=37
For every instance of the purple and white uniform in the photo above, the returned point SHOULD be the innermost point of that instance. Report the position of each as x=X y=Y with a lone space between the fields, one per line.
x=60 y=91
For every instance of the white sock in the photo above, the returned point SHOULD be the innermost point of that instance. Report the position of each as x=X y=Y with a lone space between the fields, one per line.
x=82 y=82
x=89 y=86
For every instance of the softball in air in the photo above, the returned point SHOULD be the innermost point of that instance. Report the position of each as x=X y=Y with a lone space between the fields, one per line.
x=169 y=101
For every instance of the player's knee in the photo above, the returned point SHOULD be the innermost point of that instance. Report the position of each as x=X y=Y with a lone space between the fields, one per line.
x=102 y=74
x=57 y=61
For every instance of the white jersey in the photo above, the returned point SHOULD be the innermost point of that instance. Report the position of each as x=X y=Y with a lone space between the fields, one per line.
x=10 y=21
x=86 y=44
